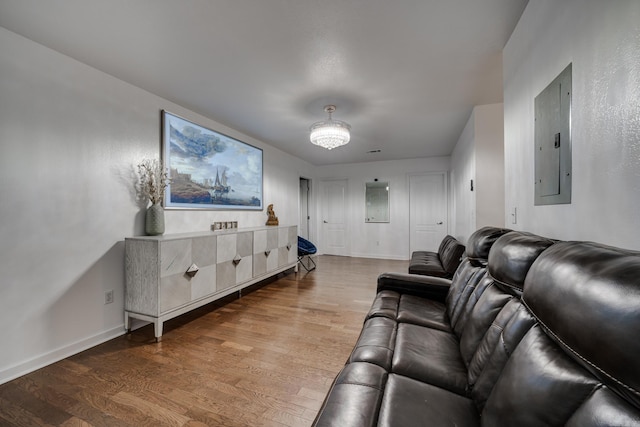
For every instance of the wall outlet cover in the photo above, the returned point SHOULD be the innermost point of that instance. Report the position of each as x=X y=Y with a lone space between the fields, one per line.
x=108 y=297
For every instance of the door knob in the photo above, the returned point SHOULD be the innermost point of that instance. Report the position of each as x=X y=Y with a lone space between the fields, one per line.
x=326 y=222
x=439 y=222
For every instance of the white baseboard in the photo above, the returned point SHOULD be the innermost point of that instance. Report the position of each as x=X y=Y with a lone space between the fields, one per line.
x=377 y=256
x=374 y=256
x=54 y=356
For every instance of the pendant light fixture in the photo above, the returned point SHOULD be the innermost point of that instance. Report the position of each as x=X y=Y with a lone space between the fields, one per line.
x=330 y=133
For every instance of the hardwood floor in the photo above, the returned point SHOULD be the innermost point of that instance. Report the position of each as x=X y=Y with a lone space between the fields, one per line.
x=266 y=359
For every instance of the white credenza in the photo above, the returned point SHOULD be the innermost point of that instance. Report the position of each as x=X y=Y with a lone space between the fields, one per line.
x=167 y=276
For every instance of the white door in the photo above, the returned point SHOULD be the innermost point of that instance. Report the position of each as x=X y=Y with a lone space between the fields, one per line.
x=334 y=217
x=427 y=211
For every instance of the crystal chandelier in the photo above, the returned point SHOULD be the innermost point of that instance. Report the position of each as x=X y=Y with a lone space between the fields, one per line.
x=330 y=133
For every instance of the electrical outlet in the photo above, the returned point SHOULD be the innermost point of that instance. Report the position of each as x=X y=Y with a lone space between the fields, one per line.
x=108 y=297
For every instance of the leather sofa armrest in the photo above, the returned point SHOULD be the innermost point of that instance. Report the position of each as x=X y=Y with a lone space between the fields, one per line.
x=435 y=288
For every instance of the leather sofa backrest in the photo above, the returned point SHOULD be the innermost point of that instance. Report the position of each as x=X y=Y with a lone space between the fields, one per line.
x=480 y=242
x=578 y=364
x=459 y=303
x=517 y=250
x=506 y=332
x=481 y=318
x=450 y=253
x=470 y=273
x=586 y=296
x=511 y=257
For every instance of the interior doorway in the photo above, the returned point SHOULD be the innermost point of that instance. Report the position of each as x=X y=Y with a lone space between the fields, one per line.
x=305 y=203
x=428 y=219
x=334 y=237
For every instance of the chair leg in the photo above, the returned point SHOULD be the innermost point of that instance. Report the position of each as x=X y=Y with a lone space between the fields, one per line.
x=311 y=261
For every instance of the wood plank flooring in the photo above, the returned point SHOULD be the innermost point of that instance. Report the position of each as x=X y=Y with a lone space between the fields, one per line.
x=266 y=359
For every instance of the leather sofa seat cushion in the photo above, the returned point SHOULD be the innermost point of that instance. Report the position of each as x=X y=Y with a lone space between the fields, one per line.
x=385 y=304
x=427 y=264
x=430 y=356
x=411 y=403
x=355 y=398
x=424 y=312
x=409 y=309
x=442 y=263
x=376 y=342
x=435 y=288
x=439 y=358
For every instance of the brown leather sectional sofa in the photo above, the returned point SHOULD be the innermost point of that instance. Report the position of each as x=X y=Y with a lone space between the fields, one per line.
x=529 y=332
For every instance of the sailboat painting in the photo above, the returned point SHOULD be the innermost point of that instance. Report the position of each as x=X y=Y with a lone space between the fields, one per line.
x=209 y=170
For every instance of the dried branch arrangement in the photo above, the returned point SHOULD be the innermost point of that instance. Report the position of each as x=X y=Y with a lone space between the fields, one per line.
x=153 y=179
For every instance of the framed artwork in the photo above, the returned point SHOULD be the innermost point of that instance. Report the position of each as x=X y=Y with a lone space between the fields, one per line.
x=209 y=170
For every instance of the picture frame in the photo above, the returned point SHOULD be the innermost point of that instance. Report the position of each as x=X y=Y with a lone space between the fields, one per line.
x=208 y=169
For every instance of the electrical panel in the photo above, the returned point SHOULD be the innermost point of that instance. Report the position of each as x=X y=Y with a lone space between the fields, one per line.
x=553 y=142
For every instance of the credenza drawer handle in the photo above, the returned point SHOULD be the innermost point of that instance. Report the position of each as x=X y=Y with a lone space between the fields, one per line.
x=267 y=252
x=237 y=259
x=192 y=270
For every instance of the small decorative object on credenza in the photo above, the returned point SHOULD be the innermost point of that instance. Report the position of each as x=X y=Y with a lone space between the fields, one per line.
x=152 y=181
x=272 y=218
x=223 y=225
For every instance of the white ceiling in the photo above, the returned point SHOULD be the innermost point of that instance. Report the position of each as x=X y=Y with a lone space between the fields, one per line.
x=404 y=73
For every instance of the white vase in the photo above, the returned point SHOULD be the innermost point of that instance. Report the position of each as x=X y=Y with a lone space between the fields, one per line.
x=154 y=220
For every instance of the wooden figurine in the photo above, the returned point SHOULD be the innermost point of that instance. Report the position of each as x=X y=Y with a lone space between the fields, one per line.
x=272 y=218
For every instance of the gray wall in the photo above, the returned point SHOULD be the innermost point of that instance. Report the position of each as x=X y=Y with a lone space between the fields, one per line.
x=70 y=137
x=601 y=39
x=478 y=155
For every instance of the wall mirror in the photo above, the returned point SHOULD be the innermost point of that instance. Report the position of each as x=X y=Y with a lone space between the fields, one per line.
x=377 y=201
